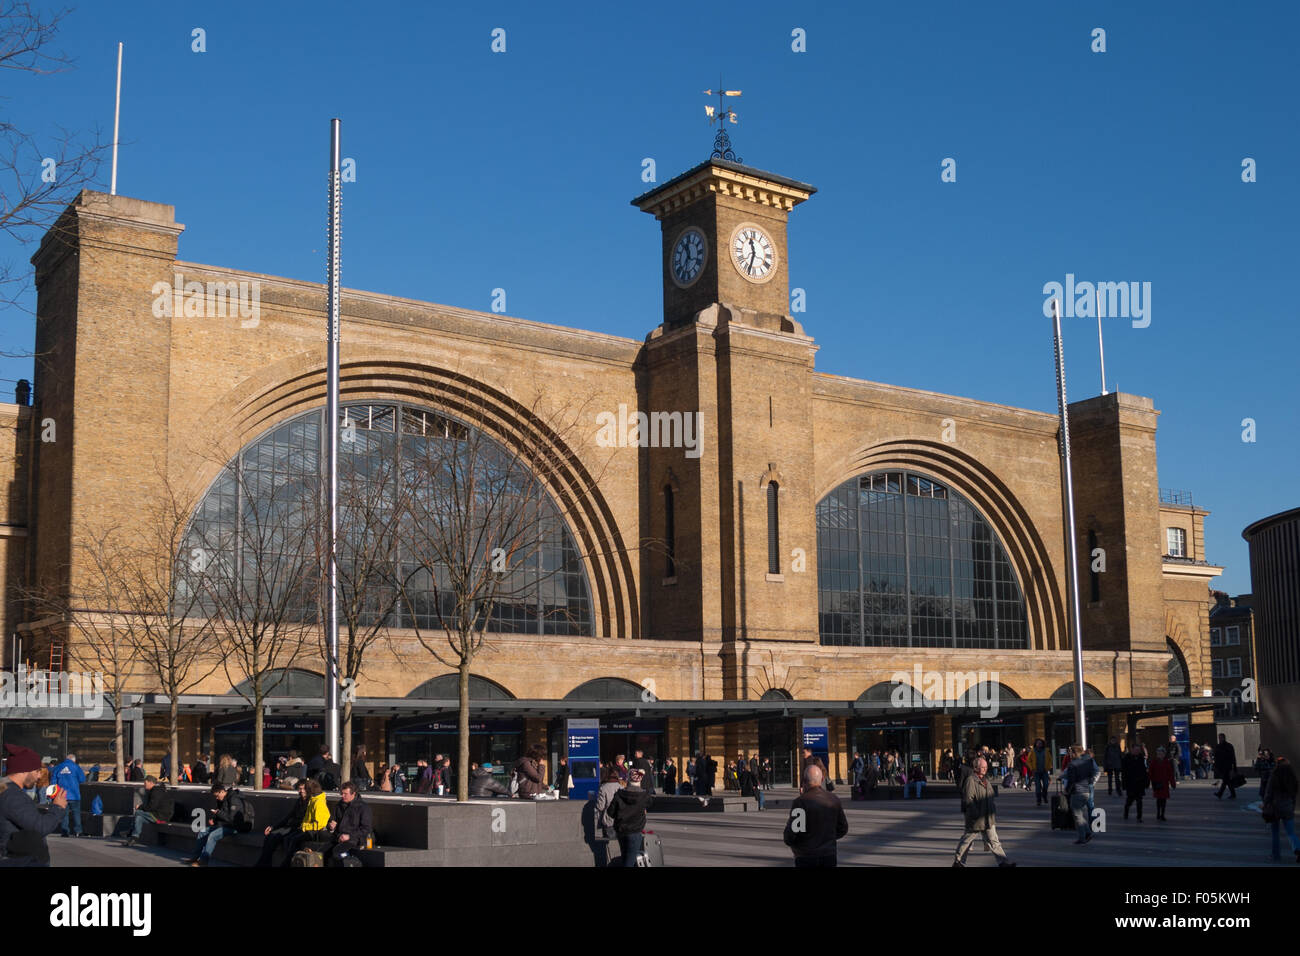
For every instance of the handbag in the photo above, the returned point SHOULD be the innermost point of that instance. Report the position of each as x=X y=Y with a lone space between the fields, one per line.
x=1269 y=812
x=1238 y=781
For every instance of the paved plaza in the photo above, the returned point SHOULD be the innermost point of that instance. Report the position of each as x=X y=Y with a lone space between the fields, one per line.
x=1201 y=831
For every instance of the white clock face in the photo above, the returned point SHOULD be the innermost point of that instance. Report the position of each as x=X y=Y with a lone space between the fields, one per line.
x=753 y=253
x=688 y=257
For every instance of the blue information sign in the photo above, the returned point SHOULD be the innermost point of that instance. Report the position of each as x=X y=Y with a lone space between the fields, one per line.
x=817 y=738
x=584 y=756
x=1182 y=733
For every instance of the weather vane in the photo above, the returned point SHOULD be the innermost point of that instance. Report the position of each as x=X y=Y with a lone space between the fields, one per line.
x=720 y=114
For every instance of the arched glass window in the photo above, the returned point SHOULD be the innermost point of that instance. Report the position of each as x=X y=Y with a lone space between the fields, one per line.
x=287 y=682
x=607 y=688
x=447 y=687
x=255 y=544
x=903 y=561
x=773 y=530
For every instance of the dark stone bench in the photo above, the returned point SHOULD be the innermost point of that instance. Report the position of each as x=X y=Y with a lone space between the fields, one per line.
x=409 y=830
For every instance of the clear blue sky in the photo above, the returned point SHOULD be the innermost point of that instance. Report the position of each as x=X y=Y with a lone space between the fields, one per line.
x=479 y=170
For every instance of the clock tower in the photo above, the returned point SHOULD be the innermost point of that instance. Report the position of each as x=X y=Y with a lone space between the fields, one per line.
x=724 y=239
x=729 y=526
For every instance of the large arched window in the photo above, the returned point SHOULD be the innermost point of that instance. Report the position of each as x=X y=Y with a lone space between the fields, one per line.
x=414 y=487
x=904 y=561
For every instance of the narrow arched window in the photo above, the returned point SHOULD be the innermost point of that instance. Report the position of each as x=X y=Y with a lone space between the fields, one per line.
x=670 y=533
x=773 y=530
x=1094 y=581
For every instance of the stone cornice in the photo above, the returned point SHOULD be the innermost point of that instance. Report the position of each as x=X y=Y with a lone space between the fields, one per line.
x=738 y=182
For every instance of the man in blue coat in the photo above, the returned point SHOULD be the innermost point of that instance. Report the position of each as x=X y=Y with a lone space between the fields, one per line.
x=70 y=777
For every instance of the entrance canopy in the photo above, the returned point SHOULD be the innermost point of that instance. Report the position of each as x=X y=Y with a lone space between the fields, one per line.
x=707 y=711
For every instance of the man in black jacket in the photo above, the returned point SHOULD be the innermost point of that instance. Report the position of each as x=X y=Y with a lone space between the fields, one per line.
x=1225 y=765
x=816 y=822
x=155 y=807
x=23 y=827
x=229 y=816
x=352 y=824
x=640 y=762
x=627 y=809
x=285 y=832
x=483 y=784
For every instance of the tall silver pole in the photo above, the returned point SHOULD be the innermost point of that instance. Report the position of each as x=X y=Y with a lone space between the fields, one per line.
x=1101 y=348
x=332 y=453
x=1071 y=538
x=117 y=114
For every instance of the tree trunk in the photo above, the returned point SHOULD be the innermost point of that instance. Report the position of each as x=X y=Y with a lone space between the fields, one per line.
x=174 y=742
x=462 y=759
x=257 y=739
x=346 y=745
x=118 y=743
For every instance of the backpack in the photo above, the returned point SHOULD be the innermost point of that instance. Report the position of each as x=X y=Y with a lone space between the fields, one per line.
x=244 y=820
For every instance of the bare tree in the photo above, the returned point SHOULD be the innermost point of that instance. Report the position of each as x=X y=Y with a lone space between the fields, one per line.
x=85 y=612
x=260 y=586
x=370 y=504
x=161 y=587
x=478 y=533
x=38 y=177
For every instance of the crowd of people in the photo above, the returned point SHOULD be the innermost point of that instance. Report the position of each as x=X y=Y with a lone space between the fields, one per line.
x=39 y=797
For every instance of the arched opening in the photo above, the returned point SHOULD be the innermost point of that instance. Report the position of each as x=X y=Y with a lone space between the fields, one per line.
x=447 y=687
x=1178 y=675
x=285 y=682
x=1066 y=692
x=412 y=482
x=776 y=693
x=608 y=688
x=905 y=561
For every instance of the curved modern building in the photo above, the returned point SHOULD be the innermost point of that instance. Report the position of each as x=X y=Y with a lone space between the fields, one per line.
x=1275 y=587
x=734 y=542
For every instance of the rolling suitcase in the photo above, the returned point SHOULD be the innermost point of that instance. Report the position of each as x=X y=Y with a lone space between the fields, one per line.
x=1062 y=817
x=652 y=850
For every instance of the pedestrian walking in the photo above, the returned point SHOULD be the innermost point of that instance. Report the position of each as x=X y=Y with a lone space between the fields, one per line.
x=1081 y=776
x=1136 y=779
x=627 y=809
x=1279 y=805
x=1042 y=770
x=1164 y=778
x=1225 y=766
x=979 y=804
x=1113 y=763
x=816 y=822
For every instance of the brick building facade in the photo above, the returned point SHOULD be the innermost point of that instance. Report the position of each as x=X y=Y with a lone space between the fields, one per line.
x=142 y=403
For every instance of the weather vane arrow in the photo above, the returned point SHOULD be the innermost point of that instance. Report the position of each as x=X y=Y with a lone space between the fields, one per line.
x=720 y=114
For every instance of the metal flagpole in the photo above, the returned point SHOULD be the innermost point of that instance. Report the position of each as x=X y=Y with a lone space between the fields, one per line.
x=332 y=453
x=117 y=114
x=1071 y=538
x=1101 y=348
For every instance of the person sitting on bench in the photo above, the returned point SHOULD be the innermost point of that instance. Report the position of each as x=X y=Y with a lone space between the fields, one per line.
x=156 y=806
x=353 y=825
